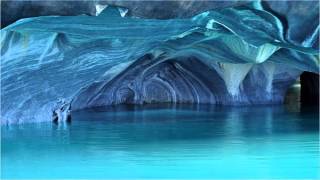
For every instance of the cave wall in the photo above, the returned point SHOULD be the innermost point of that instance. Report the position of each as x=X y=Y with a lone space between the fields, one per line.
x=237 y=52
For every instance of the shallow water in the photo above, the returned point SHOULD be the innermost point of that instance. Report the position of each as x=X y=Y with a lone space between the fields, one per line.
x=166 y=141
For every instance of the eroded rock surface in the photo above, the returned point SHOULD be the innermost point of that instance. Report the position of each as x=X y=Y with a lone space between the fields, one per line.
x=225 y=53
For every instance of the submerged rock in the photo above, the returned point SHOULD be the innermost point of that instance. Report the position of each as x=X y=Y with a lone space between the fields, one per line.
x=228 y=55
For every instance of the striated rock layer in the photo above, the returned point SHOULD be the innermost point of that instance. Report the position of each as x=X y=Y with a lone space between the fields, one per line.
x=230 y=55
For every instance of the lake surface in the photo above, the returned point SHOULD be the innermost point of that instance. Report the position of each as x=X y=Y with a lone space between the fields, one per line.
x=167 y=141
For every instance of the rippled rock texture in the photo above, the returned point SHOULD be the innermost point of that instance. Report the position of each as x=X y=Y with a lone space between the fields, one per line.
x=232 y=53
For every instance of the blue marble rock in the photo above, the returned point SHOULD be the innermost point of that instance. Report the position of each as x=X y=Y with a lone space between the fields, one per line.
x=234 y=54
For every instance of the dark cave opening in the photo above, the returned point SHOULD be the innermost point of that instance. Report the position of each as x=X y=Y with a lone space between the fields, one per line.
x=303 y=95
x=309 y=94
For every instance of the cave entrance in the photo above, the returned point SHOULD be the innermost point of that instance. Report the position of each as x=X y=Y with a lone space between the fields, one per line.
x=309 y=94
x=304 y=91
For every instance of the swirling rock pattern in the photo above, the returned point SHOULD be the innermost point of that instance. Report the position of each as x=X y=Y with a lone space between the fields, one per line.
x=188 y=80
x=236 y=55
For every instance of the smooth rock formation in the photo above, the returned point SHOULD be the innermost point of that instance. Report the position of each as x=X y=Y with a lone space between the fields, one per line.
x=235 y=54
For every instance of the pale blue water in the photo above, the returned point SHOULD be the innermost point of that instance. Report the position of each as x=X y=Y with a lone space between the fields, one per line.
x=167 y=142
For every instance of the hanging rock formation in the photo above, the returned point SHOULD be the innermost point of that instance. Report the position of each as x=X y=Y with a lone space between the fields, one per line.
x=231 y=53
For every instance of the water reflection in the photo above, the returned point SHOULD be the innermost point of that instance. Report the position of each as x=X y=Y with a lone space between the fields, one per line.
x=130 y=126
x=170 y=122
x=181 y=140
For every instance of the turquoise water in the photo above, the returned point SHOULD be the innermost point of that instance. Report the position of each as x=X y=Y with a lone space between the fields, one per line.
x=167 y=142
